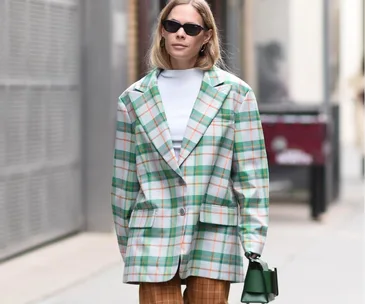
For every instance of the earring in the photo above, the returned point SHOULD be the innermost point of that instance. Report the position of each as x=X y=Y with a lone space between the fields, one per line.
x=202 y=50
x=162 y=42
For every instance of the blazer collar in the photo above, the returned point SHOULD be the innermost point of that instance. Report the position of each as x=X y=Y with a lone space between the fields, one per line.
x=148 y=106
x=213 y=77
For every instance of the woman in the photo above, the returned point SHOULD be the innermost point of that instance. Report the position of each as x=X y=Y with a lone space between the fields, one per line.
x=190 y=185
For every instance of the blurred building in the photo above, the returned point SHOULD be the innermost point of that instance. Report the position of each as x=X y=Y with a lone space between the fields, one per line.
x=63 y=64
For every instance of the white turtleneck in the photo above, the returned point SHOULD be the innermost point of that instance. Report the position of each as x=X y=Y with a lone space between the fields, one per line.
x=179 y=90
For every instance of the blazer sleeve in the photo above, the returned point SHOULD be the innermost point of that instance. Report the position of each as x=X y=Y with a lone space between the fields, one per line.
x=250 y=175
x=125 y=184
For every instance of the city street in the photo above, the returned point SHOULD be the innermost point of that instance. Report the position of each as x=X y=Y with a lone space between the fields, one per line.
x=160 y=107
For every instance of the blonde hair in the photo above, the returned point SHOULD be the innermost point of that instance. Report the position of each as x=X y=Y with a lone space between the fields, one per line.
x=158 y=56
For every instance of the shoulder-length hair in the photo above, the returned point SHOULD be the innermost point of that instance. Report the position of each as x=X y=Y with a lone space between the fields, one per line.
x=158 y=56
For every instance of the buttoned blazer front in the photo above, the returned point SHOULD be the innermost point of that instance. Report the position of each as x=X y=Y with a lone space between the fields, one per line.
x=197 y=214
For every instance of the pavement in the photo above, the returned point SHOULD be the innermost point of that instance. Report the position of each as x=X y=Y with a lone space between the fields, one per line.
x=318 y=262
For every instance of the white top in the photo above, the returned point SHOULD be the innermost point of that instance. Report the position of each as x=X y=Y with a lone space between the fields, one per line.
x=179 y=90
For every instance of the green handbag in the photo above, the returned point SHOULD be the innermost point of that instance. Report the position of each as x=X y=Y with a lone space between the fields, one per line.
x=261 y=283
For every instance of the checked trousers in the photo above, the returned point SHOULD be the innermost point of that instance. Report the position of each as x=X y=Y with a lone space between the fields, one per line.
x=198 y=291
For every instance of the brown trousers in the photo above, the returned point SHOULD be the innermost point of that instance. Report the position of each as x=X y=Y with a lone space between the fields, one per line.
x=198 y=291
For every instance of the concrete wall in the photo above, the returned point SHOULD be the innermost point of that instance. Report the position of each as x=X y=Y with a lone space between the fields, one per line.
x=306 y=51
x=350 y=62
x=104 y=76
x=234 y=45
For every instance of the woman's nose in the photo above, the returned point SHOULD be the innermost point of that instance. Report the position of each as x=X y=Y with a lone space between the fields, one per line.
x=181 y=33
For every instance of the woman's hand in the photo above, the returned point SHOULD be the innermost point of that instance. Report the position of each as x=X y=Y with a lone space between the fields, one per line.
x=252 y=255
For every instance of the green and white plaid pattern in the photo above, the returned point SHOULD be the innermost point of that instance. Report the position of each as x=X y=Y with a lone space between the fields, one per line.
x=204 y=209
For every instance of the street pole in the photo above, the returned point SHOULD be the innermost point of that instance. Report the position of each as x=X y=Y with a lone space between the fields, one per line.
x=327 y=105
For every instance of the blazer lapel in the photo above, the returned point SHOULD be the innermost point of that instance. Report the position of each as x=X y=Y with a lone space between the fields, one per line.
x=148 y=106
x=212 y=94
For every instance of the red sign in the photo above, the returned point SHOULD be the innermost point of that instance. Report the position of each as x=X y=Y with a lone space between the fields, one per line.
x=295 y=139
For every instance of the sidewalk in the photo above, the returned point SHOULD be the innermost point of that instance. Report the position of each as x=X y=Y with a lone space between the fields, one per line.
x=318 y=262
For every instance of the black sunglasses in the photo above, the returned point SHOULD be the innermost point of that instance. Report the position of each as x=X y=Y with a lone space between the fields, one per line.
x=190 y=29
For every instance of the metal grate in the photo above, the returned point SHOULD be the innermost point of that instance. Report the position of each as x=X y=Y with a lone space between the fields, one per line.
x=39 y=122
x=2 y=130
x=17 y=39
x=36 y=200
x=57 y=139
x=16 y=209
x=39 y=36
x=16 y=126
x=63 y=25
x=60 y=212
x=3 y=218
x=3 y=30
x=36 y=126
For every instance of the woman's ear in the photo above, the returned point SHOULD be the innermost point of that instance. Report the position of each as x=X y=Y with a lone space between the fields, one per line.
x=163 y=32
x=207 y=35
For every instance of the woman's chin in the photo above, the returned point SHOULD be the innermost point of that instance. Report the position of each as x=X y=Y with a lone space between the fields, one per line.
x=182 y=57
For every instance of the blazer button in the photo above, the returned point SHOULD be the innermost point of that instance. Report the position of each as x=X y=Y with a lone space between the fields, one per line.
x=182 y=211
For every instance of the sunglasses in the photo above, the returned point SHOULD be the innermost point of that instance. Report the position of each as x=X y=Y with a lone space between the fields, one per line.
x=190 y=29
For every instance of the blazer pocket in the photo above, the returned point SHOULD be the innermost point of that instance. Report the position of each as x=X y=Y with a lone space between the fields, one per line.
x=219 y=215
x=220 y=121
x=142 y=218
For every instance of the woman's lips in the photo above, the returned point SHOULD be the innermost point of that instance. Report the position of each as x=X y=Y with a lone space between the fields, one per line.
x=179 y=46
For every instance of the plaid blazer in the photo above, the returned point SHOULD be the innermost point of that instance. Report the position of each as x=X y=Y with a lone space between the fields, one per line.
x=198 y=213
